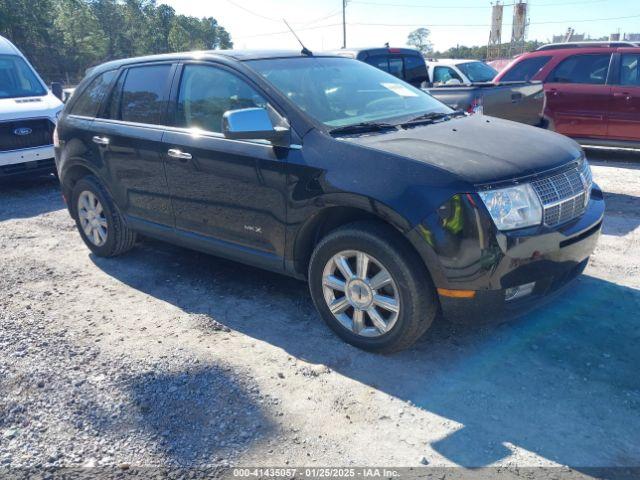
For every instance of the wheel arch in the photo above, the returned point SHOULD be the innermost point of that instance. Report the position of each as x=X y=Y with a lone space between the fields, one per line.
x=332 y=217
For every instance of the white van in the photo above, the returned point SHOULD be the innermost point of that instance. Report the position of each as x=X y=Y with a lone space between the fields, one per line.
x=28 y=114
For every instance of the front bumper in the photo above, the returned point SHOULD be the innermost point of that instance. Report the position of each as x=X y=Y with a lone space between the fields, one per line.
x=474 y=256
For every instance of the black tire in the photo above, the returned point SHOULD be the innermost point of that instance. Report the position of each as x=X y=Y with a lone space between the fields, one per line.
x=120 y=238
x=418 y=303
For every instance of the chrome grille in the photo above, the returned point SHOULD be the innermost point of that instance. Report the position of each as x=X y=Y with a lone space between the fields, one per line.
x=563 y=194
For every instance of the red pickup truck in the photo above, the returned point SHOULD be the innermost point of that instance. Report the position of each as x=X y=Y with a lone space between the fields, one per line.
x=592 y=92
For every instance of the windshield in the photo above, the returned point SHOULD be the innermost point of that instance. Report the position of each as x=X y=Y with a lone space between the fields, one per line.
x=17 y=79
x=477 y=71
x=340 y=91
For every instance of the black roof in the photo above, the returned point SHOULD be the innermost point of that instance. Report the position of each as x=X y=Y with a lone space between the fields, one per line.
x=239 y=55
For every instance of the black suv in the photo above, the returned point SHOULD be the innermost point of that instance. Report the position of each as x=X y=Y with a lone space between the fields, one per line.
x=393 y=206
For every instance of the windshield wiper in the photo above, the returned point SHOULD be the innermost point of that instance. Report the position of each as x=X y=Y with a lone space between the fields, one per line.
x=431 y=117
x=362 y=127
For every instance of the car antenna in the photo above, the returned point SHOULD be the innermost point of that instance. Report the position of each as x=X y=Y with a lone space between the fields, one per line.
x=305 y=50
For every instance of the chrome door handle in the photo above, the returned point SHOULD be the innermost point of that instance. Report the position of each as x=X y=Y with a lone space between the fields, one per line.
x=179 y=154
x=100 y=140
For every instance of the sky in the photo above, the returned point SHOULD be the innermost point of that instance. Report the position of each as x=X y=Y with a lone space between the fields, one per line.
x=258 y=23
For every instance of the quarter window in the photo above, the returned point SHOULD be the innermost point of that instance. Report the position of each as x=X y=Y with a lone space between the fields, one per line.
x=630 y=70
x=206 y=93
x=588 y=69
x=526 y=69
x=88 y=103
x=142 y=98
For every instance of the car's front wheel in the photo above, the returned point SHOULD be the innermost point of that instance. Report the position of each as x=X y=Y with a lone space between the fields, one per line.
x=371 y=288
x=98 y=219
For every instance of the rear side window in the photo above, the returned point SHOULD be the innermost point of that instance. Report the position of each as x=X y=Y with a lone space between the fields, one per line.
x=88 y=103
x=206 y=93
x=526 y=69
x=630 y=70
x=415 y=70
x=588 y=69
x=141 y=95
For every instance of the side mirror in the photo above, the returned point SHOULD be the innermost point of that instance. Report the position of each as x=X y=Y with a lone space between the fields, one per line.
x=253 y=124
x=56 y=89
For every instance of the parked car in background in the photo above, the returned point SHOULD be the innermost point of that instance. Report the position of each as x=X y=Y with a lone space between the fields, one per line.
x=499 y=64
x=393 y=206
x=28 y=113
x=518 y=101
x=593 y=91
x=449 y=71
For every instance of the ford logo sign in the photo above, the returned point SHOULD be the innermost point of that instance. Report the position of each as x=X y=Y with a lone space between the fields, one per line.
x=22 y=131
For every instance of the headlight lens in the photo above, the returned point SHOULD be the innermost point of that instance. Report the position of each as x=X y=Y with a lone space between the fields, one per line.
x=513 y=207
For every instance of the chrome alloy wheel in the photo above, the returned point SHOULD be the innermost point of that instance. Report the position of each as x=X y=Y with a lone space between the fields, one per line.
x=360 y=293
x=92 y=218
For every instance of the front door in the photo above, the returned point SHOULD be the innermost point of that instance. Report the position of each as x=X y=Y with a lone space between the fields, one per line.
x=227 y=190
x=130 y=136
x=578 y=95
x=624 y=117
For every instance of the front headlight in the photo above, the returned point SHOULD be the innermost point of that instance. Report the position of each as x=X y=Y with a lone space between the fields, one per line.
x=513 y=207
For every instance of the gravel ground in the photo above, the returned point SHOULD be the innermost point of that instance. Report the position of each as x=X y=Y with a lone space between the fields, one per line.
x=167 y=357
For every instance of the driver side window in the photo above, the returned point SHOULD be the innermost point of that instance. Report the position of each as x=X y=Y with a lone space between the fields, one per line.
x=207 y=92
x=443 y=75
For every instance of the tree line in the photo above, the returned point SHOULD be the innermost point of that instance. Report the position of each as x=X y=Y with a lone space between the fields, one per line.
x=62 y=38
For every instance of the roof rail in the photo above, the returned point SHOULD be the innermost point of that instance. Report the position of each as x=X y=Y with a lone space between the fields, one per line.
x=588 y=44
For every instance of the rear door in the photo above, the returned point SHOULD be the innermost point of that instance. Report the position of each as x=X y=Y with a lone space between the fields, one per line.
x=624 y=116
x=229 y=190
x=129 y=135
x=578 y=95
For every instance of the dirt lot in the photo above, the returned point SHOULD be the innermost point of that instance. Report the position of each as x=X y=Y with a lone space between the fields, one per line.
x=169 y=357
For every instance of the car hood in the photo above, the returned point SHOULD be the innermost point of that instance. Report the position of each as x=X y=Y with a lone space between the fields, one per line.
x=29 y=107
x=478 y=149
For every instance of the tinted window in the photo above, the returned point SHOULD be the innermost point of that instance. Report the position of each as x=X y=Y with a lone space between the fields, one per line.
x=206 y=93
x=415 y=70
x=17 y=79
x=591 y=69
x=444 y=75
x=88 y=103
x=143 y=94
x=630 y=70
x=379 y=61
x=526 y=69
x=477 y=71
x=395 y=67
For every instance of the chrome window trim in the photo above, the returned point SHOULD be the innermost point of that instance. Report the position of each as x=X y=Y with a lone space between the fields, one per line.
x=203 y=133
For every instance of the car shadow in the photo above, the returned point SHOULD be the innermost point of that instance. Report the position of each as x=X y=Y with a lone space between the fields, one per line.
x=560 y=382
x=622 y=215
x=26 y=198
x=605 y=156
x=185 y=417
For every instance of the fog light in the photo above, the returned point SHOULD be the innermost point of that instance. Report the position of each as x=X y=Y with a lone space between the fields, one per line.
x=520 y=291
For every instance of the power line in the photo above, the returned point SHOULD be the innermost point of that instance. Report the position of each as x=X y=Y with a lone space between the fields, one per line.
x=287 y=31
x=426 y=24
x=470 y=7
x=279 y=20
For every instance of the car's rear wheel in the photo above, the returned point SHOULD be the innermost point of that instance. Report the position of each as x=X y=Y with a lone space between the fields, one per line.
x=99 y=221
x=371 y=288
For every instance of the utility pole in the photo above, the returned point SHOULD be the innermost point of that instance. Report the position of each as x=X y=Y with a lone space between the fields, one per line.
x=344 y=23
